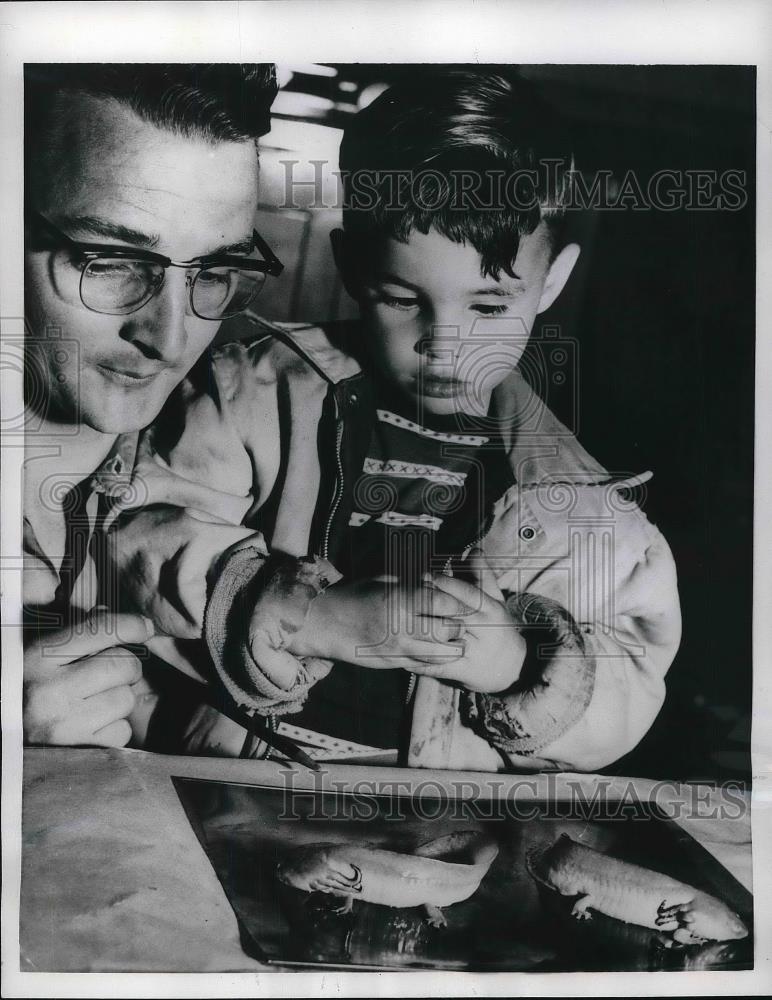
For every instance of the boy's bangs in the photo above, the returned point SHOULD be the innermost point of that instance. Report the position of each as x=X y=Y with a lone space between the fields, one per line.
x=494 y=233
x=491 y=210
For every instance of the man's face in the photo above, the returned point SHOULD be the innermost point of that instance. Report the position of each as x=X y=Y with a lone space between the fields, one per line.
x=441 y=332
x=118 y=180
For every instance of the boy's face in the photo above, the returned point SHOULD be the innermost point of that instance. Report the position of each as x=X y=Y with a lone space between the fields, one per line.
x=116 y=179
x=441 y=332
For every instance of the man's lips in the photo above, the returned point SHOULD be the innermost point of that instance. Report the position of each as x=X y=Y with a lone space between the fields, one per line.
x=128 y=377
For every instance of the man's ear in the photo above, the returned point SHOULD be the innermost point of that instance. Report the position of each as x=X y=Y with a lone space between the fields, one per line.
x=558 y=274
x=341 y=252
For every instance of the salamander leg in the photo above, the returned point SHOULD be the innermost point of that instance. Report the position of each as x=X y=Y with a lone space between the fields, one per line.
x=678 y=918
x=580 y=911
x=667 y=940
x=435 y=916
x=681 y=913
x=684 y=936
x=345 y=907
x=331 y=880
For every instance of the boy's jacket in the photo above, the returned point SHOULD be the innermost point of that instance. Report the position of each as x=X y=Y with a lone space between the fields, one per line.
x=591 y=581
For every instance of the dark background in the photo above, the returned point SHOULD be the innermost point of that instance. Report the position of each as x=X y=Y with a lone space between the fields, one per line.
x=661 y=310
x=665 y=326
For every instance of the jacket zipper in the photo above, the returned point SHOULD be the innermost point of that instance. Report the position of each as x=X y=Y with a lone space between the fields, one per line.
x=338 y=492
x=336 y=499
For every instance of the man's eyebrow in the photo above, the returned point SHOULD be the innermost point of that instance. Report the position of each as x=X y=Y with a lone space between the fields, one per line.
x=247 y=245
x=93 y=226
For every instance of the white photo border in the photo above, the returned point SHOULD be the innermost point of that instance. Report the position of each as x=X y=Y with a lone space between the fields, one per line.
x=517 y=31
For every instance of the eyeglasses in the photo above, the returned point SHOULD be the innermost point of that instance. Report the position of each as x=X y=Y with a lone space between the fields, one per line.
x=117 y=281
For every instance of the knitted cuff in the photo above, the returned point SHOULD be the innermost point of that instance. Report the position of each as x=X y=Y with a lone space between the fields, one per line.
x=259 y=602
x=554 y=688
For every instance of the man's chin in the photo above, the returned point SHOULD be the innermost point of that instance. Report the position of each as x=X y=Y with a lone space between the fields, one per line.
x=122 y=417
x=115 y=409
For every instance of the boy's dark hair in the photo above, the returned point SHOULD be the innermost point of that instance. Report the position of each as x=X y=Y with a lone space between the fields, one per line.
x=219 y=102
x=478 y=156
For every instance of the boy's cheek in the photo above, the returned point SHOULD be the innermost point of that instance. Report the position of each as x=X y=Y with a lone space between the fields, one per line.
x=392 y=342
x=487 y=364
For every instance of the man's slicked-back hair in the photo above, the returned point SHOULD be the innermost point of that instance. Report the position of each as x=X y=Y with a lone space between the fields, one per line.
x=220 y=101
x=214 y=101
x=476 y=155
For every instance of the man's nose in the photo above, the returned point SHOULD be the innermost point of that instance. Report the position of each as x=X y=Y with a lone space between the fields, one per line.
x=158 y=329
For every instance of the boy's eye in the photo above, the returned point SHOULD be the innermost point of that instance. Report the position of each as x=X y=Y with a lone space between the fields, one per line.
x=490 y=310
x=397 y=301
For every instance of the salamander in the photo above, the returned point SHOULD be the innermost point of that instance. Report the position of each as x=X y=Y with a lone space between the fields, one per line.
x=390 y=878
x=631 y=893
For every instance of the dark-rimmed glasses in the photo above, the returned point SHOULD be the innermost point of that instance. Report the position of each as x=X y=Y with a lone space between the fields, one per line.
x=119 y=280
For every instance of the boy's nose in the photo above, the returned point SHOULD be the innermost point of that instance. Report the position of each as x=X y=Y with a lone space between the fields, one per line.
x=439 y=342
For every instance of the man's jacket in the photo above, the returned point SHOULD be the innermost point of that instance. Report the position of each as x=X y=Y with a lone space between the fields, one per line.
x=258 y=449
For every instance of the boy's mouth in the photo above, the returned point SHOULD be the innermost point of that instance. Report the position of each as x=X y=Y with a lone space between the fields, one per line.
x=438 y=386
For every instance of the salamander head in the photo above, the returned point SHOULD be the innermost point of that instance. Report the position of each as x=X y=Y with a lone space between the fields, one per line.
x=301 y=865
x=286 y=873
x=311 y=869
x=714 y=921
x=539 y=857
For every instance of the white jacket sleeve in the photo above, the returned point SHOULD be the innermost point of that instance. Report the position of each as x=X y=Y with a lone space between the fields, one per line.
x=597 y=601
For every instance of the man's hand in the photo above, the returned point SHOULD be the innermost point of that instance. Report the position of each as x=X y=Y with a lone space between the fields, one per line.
x=493 y=647
x=77 y=682
x=381 y=624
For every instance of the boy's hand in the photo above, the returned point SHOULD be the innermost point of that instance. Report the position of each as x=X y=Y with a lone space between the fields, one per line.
x=382 y=625
x=494 y=649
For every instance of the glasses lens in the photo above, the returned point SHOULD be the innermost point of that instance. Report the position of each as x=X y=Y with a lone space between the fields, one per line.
x=116 y=286
x=219 y=292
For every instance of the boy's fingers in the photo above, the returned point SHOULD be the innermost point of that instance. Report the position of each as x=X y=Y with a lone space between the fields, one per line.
x=483 y=574
x=278 y=665
x=467 y=594
x=438 y=603
x=441 y=669
x=408 y=652
x=446 y=629
x=433 y=652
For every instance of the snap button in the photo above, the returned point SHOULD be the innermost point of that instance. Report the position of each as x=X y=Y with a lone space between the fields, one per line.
x=527 y=533
x=353 y=399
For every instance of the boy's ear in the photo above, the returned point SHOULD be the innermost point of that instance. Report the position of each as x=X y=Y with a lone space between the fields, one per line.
x=341 y=253
x=558 y=274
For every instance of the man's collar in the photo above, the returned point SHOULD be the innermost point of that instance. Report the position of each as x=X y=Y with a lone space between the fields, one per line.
x=117 y=468
x=326 y=348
